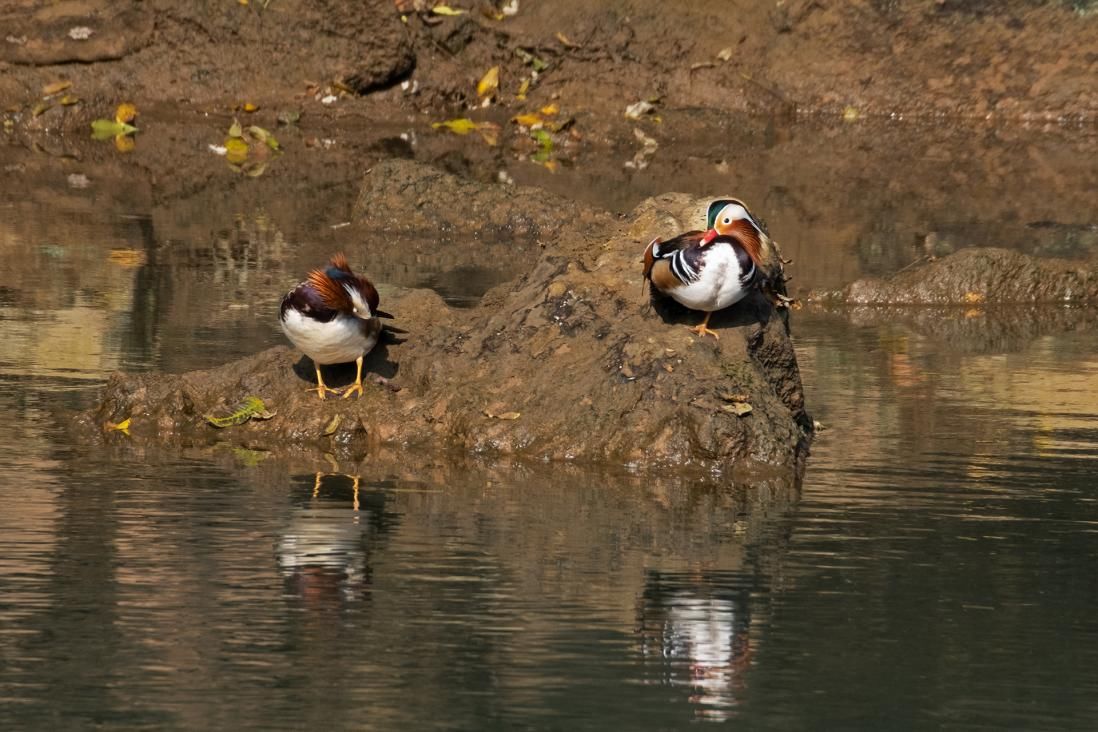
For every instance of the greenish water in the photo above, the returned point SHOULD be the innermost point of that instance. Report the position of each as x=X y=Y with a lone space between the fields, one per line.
x=935 y=569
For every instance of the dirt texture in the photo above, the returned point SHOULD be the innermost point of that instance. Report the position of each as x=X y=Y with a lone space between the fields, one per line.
x=1004 y=59
x=569 y=362
x=973 y=277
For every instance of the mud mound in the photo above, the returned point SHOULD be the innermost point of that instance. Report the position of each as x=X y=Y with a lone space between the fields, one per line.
x=973 y=277
x=568 y=362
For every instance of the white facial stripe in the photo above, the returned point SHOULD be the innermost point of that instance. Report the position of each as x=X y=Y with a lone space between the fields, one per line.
x=360 y=306
x=733 y=212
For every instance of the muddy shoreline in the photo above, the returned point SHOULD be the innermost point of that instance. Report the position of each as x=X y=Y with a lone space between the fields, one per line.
x=567 y=362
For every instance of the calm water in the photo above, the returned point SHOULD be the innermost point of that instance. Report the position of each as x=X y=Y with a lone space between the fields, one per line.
x=935 y=569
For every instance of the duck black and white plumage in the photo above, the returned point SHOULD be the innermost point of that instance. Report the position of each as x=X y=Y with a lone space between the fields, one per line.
x=709 y=270
x=333 y=318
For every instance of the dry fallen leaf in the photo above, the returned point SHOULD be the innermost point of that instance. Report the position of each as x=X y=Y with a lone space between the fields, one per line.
x=739 y=409
x=509 y=415
x=527 y=120
x=489 y=83
x=333 y=425
x=564 y=40
x=123 y=426
x=55 y=88
x=460 y=126
x=236 y=150
x=125 y=113
x=725 y=54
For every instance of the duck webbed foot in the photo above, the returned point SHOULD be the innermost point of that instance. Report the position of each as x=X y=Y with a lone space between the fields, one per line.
x=702 y=329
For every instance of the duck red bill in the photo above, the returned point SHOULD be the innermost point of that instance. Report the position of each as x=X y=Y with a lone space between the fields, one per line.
x=709 y=237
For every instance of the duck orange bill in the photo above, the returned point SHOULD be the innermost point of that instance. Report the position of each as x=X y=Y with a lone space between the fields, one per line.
x=708 y=237
x=382 y=314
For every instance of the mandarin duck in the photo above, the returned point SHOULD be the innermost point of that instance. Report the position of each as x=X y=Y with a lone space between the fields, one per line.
x=713 y=269
x=333 y=318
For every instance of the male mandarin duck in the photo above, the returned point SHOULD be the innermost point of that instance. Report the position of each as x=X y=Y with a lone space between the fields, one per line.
x=333 y=317
x=709 y=270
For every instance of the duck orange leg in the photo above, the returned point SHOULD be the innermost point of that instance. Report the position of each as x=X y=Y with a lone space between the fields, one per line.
x=703 y=328
x=357 y=386
x=321 y=387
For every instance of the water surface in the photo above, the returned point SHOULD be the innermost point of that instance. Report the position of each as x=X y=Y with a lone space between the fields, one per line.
x=934 y=569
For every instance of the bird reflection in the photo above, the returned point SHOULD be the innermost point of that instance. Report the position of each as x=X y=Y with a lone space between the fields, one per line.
x=324 y=550
x=696 y=630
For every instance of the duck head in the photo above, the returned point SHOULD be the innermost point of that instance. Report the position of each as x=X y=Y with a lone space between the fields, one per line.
x=730 y=217
x=343 y=290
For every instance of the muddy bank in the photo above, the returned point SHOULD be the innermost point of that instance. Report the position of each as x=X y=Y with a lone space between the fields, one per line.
x=974 y=277
x=569 y=361
x=1004 y=59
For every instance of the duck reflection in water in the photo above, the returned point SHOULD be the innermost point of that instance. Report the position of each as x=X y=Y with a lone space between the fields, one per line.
x=324 y=550
x=697 y=632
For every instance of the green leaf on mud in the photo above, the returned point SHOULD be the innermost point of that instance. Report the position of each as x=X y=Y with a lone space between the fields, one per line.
x=105 y=129
x=446 y=10
x=261 y=135
x=545 y=145
x=250 y=458
x=528 y=58
x=235 y=130
x=251 y=407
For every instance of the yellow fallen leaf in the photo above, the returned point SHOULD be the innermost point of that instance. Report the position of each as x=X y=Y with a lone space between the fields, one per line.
x=235 y=130
x=851 y=114
x=69 y=99
x=489 y=83
x=565 y=41
x=125 y=113
x=460 y=126
x=523 y=88
x=124 y=143
x=249 y=107
x=123 y=426
x=446 y=10
x=333 y=425
x=527 y=120
x=550 y=109
x=55 y=88
x=41 y=108
x=236 y=150
x=973 y=298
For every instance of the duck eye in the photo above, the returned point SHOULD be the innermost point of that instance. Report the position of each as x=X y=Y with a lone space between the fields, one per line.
x=727 y=220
